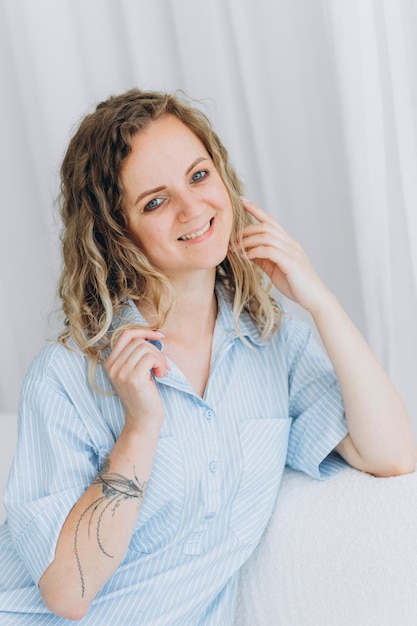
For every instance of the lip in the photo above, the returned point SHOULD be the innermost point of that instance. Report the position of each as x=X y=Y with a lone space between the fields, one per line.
x=198 y=233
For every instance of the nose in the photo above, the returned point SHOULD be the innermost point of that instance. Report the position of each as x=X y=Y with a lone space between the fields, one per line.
x=189 y=206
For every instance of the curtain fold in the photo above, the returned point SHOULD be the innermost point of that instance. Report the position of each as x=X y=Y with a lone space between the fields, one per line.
x=375 y=53
x=315 y=100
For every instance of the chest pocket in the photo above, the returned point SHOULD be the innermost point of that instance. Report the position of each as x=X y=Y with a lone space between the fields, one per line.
x=161 y=511
x=264 y=447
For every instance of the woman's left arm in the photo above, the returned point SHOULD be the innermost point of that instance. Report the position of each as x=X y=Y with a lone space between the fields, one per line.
x=380 y=439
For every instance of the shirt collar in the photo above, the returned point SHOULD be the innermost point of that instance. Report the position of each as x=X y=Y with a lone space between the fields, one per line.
x=246 y=324
x=129 y=314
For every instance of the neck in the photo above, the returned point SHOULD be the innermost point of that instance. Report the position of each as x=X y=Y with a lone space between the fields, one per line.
x=194 y=311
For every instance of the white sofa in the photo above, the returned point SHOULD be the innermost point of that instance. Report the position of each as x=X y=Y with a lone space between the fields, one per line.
x=340 y=552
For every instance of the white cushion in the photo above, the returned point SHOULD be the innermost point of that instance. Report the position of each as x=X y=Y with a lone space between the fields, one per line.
x=339 y=552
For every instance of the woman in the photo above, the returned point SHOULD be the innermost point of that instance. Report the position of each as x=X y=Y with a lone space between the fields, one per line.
x=154 y=434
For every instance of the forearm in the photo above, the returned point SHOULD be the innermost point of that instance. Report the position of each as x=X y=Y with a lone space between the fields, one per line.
x=97 y=531
x=380 y=437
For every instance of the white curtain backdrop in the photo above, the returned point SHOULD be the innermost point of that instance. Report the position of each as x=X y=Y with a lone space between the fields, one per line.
x=315 y=99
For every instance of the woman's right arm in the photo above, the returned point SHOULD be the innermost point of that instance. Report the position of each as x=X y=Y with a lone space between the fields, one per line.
x=98 y=529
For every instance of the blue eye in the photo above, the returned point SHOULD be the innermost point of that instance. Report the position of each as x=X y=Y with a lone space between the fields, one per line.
x=199 y=176
x=152 y=204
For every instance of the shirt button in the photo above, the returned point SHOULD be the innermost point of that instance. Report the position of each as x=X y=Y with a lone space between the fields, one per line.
x=209 y=414
x=213 y=466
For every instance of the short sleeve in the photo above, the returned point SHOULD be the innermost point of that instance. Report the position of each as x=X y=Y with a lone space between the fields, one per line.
x=55 y=462
x=315 y=404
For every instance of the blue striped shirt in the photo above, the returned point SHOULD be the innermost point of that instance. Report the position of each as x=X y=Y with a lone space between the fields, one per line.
x=217 y=470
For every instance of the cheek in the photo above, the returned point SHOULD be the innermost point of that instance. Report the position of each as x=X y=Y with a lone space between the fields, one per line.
x=150 y=240
x=220 y=198
x=229 y=213
x=145 y=233
x=222 y=193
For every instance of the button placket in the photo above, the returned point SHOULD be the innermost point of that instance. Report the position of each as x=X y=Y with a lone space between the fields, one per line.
x=213 y=476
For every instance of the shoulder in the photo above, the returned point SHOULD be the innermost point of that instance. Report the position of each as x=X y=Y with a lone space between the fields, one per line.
x=56 y=362
x=56 y=389
x=292 y=328
x=292 y=331
x=296 y=340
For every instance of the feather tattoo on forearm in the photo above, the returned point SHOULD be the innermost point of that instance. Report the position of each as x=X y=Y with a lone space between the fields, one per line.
x=115 y=489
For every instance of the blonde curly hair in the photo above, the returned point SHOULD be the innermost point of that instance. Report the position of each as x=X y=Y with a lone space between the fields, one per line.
x=102 y=267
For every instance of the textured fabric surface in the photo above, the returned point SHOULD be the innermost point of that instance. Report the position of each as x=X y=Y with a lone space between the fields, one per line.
x=339 y=552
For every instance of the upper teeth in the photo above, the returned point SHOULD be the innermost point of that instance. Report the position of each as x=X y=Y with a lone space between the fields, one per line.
x=197 y=234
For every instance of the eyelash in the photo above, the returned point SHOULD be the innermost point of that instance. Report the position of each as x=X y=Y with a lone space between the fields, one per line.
x=149 y=209
x=204 y=172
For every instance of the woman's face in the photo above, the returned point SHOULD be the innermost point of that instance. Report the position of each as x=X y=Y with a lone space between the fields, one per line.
x=178 y=209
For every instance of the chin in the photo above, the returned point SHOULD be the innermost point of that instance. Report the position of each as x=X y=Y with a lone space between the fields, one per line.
x=218 y=260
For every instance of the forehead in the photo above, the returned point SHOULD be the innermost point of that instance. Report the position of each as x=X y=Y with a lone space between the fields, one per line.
x=160 y=153
x=166 y=137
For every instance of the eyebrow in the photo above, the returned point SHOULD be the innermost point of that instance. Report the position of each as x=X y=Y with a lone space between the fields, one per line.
x=149 y=192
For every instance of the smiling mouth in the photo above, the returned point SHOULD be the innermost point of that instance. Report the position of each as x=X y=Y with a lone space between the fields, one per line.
x=198 y=233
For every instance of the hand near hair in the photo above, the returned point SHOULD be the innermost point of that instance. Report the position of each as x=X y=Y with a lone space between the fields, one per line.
x=282 y=259
x=129 y=367
x=380 y=439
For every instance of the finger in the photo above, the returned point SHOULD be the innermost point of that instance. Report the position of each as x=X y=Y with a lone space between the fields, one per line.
x=256 y=212
x=135 y=351
x=262 y=227
x=267 y=238
x=265 y=252
x=265 y=223
x=131 y=354
x=280 y=242
x=131 y=334
x=143 y=360
x=135 y=362
x=286 y=263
